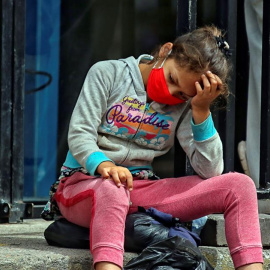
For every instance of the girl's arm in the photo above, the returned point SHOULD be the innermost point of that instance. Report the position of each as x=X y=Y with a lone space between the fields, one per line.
x=202 y=145
x=197 y=134
x=84 y=123
x=87 y=115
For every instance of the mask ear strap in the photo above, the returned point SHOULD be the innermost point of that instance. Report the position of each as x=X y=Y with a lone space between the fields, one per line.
x=163 y=60
x=156 y=63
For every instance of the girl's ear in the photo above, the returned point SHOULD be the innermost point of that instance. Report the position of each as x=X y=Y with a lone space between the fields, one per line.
x=165 y=49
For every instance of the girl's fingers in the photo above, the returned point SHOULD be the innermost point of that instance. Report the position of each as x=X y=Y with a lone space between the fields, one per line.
x=207 y=90
x=218 y=80
x=206 y=83
x=127 y=177
x=219 y=84
x=213 y=84
x=198 y=87
x=215 y=81
x=105 y=174
x=129 y=182
x=115 y=176
x=122 y=176
x=119 y=175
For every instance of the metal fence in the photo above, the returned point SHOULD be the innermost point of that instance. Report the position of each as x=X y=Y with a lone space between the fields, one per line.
x=12 y=207
x=12 y=18
x=227 y=19
x=265 y=102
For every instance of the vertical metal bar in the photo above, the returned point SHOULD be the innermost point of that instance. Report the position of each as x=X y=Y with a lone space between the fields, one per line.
x=241 y=94
x=11 y=110
x=230 y=113
x=265 y=100
x=186 y=21
x=128 y=33
x=18 y=101
x=227 y=20
x=6 y=55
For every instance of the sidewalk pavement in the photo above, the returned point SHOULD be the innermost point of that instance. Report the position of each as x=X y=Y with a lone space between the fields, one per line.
x=23 y=246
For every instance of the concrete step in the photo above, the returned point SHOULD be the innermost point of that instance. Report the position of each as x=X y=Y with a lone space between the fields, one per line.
x=213 y=233
x=264 y=205
x=22 y=246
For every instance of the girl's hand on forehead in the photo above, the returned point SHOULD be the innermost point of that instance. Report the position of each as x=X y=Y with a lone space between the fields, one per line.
x=207 y=92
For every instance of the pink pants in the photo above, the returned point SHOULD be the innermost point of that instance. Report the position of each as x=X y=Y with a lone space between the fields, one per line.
x=102 y=206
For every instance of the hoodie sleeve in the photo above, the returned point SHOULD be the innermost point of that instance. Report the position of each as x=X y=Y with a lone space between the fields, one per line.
x=202 y=145
x=87 y=115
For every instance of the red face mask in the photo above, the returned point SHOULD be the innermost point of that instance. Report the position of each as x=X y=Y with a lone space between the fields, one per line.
x=157 y=88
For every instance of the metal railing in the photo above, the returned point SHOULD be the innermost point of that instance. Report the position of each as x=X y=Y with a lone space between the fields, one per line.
x=12 y=28
x=225 y=121
x=265 y=101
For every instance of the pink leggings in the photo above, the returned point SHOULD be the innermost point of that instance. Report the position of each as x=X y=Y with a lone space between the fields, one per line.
x=102 y=206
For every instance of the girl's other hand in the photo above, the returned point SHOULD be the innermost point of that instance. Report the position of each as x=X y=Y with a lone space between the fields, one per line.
x=118 y=174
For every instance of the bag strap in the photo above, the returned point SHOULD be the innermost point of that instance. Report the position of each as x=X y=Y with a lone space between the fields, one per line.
x=187 y=108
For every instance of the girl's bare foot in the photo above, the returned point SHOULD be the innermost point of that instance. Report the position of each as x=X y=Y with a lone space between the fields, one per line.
x=106 y=266
x=253 y=266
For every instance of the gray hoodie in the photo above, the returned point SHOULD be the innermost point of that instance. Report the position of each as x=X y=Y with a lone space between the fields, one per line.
x=113 y=121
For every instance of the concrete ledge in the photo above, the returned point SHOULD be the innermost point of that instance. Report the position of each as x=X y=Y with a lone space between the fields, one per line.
x=213 y=234
x=22 y=246
x=220 y=258
x=264 y=206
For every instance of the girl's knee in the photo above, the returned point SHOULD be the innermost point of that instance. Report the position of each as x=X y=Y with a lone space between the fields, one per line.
x=240 y=182
x=241 y=179
x=109 y=192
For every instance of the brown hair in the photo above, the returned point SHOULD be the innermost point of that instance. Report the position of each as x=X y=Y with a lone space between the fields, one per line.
x=198 y=51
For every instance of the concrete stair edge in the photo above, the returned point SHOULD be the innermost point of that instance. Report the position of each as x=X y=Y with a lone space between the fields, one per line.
x=23 y=246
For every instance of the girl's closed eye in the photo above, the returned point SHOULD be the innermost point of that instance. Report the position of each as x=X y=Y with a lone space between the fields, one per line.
x=179 y=94
x=182 y=95
x=171 y=78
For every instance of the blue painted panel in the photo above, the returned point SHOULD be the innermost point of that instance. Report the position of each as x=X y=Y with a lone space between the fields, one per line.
x=41 y=107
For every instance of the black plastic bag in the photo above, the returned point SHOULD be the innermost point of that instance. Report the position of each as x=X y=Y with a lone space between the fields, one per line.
x=150 y=226
x=170 y=254
x=63 y=233
x=141 y=231
x=177 y=228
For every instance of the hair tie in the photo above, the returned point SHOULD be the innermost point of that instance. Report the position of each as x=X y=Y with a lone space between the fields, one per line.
x=223 y=46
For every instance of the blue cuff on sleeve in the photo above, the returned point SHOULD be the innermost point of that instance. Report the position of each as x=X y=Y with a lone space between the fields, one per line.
x=94 y=160
x=71 y=162
x=204 y=130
